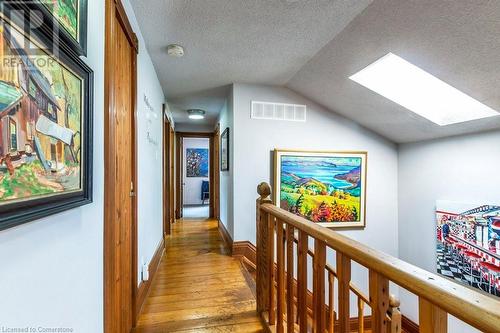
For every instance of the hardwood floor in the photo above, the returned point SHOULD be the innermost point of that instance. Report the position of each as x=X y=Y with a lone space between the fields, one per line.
x=199 y=287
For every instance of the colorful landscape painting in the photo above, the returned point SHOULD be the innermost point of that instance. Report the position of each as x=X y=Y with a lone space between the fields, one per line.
x=326 y=188
x=468 y=244
x=66 y=13
x=40 y=121
x=196 y=162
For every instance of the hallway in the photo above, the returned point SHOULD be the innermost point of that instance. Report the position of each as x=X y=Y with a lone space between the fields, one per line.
x=198 y=286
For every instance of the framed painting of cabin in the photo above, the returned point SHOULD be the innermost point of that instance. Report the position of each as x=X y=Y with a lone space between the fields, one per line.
x=328 y=188
x=66 y=19
x=45 y=126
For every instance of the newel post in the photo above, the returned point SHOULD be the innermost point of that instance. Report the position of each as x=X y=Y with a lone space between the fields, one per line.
x=263 y=271
x=395 y=315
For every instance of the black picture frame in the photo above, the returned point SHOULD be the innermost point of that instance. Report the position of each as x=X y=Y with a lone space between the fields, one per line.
x=23 y=211
x=41 y=16
x=224 y=148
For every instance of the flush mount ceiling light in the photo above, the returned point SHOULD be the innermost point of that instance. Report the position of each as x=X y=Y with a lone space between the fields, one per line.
x=175 y=50
x=420 y=92
x=196 y=114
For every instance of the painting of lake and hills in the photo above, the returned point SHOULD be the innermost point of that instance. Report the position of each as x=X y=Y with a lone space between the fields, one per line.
x=326 y=188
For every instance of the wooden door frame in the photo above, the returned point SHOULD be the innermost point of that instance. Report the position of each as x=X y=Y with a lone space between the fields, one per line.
x=172 y=175
x=114 y=9
x=168 y=193
x=216 y=164
x=179 y=166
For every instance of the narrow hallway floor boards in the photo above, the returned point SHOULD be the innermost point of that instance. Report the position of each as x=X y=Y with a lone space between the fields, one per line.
x=199 y=287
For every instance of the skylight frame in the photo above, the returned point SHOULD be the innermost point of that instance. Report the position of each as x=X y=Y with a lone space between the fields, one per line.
x=420 y=92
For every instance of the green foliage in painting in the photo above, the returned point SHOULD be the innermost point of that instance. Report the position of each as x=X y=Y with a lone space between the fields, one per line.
x=41 y=114
x=322 y=188
x=25 y=182
x=66 y=12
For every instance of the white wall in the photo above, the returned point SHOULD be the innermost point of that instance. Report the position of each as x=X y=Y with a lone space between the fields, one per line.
x=149 y=190
x=462 y=169
x=192 y=185
x=52 y=269
x=256 y=139
x=226 y=177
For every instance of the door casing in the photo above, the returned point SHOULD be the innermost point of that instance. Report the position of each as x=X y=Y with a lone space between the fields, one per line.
x=180 y=169
x=168 y=175
x=119 y=309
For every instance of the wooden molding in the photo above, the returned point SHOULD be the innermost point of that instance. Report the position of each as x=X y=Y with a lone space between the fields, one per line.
x=115 y=300
x=247 y=253
x=226 y=237
x=144 y=286
x=408 y=325
x=179 y=151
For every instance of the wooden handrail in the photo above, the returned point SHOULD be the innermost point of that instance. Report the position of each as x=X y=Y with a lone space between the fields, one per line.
x=438 y=296
x=332 y=271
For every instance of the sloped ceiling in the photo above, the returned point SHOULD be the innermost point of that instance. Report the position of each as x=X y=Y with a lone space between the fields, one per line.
x=457 y=41
x=313 y=46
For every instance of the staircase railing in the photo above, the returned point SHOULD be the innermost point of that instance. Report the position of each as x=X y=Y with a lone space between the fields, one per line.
x=287 y=305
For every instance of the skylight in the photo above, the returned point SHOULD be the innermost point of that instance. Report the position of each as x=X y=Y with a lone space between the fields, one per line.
x=418 y=91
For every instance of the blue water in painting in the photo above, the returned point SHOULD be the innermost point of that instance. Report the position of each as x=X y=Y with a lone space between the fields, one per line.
x=321 y=168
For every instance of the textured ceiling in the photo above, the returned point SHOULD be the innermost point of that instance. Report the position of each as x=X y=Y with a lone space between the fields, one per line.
x=226 y=41
x=457 y=41
x=210 y=100
x=313 y=46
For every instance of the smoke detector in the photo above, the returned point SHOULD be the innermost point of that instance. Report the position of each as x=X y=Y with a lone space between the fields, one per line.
x=175 y=50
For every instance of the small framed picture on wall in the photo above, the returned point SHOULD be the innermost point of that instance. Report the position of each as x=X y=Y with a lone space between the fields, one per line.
x=224 y=156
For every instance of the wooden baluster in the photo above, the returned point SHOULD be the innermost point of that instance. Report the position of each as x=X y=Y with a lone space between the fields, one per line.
x=289 y=281
x=281 y=276
x=331 y=302
x=302 y=281
x=432 y=319
x=379 y=301
x=344 y=279
x=319 y=263
x=395 y=315
x=263 y=268
x=272 y=310
x=361 y=315
x=297 y=316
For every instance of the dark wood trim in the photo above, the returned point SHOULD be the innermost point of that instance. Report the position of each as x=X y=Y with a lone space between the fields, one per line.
x=172 y=175
x=179 y=166
x=178 y=176
x=211 y=176
x=122 y=16
x=226 y=237
x=144 y=286
x=216 y=165
x=112 y=314
x=166 y=168
x=408 y=325
x=247 y=253
x=195 y=134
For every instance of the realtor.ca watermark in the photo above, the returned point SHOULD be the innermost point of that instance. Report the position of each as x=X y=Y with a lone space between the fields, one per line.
x=22 y=27
x=35 y=329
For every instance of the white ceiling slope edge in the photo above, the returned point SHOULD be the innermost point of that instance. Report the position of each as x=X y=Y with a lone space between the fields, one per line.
x=456 y=41
x=313 y=46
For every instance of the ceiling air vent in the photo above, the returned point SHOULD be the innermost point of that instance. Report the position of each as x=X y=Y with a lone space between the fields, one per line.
x=278 y=111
